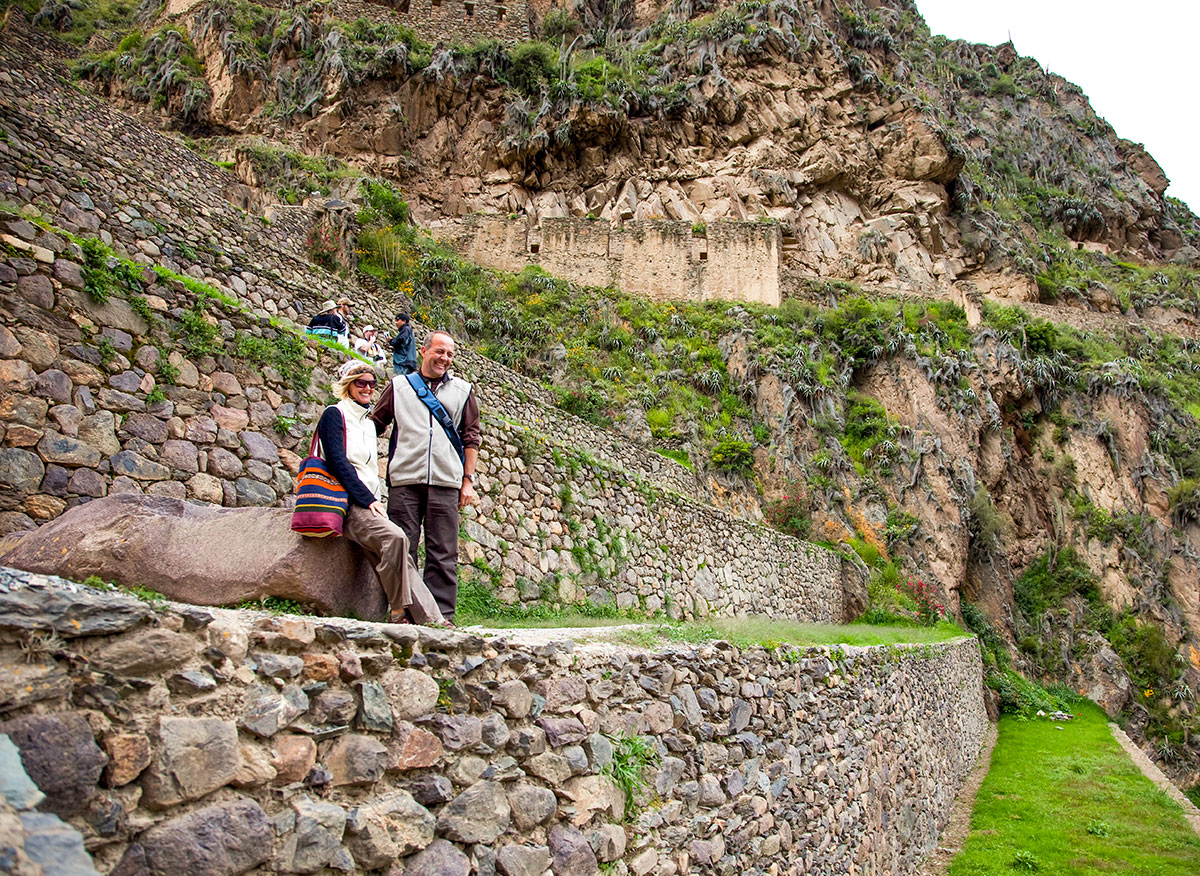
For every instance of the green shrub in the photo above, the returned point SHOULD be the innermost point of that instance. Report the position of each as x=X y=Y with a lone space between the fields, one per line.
x=790 y=512
x=559 y=23
x=384 y=205
x=631 y=756
x=533 y=65
x=1185 y=501
x=1020 y=696
x=733 y=455
x=587 y=404
x=1050 y=579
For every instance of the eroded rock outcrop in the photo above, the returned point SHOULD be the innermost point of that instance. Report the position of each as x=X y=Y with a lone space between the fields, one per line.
x=203 y=555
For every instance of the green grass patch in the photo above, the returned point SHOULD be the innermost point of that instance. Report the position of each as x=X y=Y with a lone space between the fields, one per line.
x=770 y=633
x=1069 y=801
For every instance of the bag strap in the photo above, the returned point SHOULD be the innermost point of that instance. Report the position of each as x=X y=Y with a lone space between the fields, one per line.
x=316 y=439
x=417 y=382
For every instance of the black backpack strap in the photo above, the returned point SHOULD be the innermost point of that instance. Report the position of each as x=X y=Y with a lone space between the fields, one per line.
x=439 y=412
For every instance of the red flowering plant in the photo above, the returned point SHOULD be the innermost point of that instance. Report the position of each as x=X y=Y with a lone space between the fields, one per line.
x=789 y=513
x=929 y=610
x=323 y=246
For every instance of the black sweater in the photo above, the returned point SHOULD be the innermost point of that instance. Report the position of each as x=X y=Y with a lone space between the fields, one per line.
x=331 y=429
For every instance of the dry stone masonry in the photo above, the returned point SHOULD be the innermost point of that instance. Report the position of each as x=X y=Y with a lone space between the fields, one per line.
x=99 y=399
x=555 y=523
x=93 y=170
x=170 y=739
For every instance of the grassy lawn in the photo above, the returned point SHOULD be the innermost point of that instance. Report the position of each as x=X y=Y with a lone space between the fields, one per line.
x=745 y=631
x=1070 y=801
x=742 y=631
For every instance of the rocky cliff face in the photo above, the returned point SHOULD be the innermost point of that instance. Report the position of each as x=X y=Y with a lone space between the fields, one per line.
x=890 y=157
x=1043 y=475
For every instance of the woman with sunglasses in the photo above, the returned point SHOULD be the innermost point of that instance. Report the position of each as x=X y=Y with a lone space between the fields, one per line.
x=350 y=449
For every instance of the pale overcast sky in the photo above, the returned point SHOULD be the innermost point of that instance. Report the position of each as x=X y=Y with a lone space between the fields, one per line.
x=1136 y=62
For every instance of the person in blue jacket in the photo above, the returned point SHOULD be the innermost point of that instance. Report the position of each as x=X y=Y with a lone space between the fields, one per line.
x=404 y=346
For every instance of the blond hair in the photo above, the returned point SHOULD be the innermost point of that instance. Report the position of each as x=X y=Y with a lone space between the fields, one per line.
x=350 y=372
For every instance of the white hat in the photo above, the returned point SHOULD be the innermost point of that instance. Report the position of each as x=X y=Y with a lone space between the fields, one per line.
x=368 y=328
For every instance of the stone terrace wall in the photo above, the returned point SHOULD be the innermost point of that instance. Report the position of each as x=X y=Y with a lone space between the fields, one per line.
x=555 y=525
x=91 y=169
x=660 y=259
x=291 y=745
x=97 y=398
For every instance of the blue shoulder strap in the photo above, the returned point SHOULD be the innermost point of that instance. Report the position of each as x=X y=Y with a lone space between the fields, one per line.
x=439 y=412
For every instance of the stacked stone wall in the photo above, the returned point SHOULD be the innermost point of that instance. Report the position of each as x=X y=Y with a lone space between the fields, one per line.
x=91 y=169
x=659 y=259
x=99 y=398
x=292 y=745
x=555 y=524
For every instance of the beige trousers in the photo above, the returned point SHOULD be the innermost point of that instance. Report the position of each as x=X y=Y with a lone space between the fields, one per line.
x=387 y=546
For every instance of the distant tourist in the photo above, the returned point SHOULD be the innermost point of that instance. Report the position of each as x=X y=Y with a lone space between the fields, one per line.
x=431 y=460
x=328 y=322
x=404 y=346
x=369 y=347
x=343 y=309
x=350 y=450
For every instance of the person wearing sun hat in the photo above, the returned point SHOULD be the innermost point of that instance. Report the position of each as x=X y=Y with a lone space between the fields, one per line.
x=328 y=323
x=369 y=347
x=350 y=450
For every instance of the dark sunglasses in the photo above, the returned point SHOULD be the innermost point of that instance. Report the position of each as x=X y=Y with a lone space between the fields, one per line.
x=365 y=384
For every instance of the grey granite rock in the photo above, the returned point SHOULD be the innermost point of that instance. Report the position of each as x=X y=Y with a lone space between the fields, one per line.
x=226 y=839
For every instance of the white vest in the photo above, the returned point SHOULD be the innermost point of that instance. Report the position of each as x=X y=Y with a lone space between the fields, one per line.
x=362 y=447
x=423 y=454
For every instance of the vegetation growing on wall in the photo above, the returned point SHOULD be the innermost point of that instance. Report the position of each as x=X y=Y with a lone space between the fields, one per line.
x=159 y=68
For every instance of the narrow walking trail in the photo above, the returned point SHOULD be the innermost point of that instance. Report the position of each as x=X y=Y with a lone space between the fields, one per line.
x=954 y=836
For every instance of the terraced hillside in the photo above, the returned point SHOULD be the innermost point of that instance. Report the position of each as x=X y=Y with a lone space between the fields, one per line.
x=1038 y=465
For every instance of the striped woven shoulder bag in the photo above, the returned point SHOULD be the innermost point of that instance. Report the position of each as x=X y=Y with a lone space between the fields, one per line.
x=321 y=502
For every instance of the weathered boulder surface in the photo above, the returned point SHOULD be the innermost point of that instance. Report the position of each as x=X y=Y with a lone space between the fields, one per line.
x=203 y=555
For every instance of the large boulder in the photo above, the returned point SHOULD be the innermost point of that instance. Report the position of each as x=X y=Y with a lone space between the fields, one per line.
x=203 y=555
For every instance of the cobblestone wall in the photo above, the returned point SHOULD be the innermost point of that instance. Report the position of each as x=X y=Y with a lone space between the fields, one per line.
x=91 y=169
x=176 y=740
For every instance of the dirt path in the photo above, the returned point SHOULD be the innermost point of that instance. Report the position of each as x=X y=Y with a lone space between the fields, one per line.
x=1154 y=774
x=954 y=836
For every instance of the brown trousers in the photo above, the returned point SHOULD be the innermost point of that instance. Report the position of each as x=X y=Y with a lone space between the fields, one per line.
x=434 y=509
x=387 y=546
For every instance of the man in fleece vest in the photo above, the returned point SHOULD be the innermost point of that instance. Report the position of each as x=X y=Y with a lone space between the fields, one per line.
x=427 y=482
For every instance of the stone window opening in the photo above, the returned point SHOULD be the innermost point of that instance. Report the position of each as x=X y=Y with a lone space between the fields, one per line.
x=470 y=7
x=402 y=5
x=534 y=248
x=703 y=255
x=500 y=11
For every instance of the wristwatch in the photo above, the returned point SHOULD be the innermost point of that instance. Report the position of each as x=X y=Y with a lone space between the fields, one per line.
x=468 y=477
